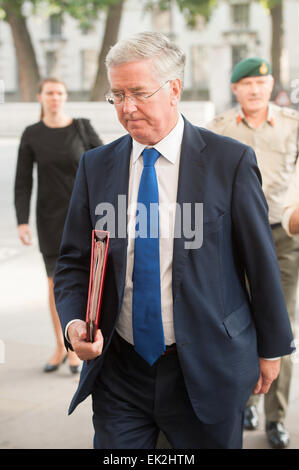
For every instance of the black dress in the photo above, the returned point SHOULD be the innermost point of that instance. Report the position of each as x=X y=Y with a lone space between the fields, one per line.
x=56 y=152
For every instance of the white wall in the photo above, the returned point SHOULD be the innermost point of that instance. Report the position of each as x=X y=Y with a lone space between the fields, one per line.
x=14 y=117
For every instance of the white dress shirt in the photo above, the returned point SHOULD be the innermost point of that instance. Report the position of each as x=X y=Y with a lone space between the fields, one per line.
x=167 y=170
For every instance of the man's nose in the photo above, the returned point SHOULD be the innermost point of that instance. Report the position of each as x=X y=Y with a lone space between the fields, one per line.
x=128 y=104
x=254 y=88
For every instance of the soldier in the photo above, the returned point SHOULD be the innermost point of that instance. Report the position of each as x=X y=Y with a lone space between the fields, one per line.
x=273 y=132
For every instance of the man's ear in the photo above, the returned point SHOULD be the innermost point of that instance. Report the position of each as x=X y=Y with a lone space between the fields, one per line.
x=176 y=89
x=271 y=85
x=234 y=88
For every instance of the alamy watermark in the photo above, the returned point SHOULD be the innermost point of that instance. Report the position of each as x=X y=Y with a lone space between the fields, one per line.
x=294 y=97
x=161 y=220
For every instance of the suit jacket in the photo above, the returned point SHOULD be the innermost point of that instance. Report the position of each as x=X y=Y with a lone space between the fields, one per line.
x=221 y=326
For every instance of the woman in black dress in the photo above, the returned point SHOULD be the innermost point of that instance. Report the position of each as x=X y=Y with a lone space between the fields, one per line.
x=55 y=145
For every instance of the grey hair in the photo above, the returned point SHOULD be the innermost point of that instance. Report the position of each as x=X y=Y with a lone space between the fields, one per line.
x=168 y=58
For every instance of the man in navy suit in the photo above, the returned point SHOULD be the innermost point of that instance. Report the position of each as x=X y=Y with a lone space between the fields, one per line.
x=182 y=341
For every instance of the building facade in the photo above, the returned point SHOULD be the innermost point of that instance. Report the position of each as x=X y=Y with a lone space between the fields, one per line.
x=236 y=29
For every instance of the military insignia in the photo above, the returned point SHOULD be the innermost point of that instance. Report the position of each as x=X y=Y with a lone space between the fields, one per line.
x=239 y=118
x=289 y=112
x=272 y=121
x=263 y=69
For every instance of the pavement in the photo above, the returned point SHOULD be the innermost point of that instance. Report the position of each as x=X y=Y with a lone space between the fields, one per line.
x=33 y=404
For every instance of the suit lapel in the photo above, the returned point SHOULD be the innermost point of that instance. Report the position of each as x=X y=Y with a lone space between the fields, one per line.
x=193 y=167
x=117 y=181
x=117 y=170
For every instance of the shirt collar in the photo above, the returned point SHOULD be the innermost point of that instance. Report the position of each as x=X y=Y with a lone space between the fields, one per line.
x=168 y=147
x=270 y=117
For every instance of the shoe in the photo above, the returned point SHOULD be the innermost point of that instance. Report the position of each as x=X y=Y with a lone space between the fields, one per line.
x=52 y=367
x=75 y=369
x=251 y=419
x=277 y=435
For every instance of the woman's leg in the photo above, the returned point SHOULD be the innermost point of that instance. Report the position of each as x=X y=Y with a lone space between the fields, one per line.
x=60 y=351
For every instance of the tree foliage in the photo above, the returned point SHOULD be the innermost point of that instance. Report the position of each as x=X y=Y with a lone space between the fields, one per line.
x=85 y=11
x=191 y=9
x=269 y=4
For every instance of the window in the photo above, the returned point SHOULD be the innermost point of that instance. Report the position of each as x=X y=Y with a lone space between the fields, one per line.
x=239 y=53
x=162 y=20
x=87 y=28
x=200 y=67
x=50 y=63
x=55 y=25
x=240 y=15
x=89 y=62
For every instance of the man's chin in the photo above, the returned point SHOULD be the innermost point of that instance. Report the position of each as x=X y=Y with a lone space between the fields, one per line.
x=255 y=106
x=137 y=133
x=135 y=126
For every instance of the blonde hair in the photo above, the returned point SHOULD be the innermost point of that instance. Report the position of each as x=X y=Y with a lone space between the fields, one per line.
x=41 y=86
x=168 y=58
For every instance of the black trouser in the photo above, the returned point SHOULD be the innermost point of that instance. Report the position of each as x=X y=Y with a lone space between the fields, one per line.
x=132 y=401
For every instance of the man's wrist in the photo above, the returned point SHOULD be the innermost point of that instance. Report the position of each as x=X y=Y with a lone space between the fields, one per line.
x=66 y=329
x=270 y=358
x=294 y=222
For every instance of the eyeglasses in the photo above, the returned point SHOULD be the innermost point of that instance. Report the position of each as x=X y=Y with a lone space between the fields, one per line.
x=136 y=98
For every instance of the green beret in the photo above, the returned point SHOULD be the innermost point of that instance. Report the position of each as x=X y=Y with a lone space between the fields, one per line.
x=251 y=67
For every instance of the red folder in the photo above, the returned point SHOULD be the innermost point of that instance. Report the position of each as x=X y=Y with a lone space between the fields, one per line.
x=98 y=262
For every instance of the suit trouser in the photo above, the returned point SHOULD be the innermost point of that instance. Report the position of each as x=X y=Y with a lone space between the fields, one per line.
x=133 y=401
x=277 y=399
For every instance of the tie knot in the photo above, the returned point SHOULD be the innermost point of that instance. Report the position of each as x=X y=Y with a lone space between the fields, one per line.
x=150 y=156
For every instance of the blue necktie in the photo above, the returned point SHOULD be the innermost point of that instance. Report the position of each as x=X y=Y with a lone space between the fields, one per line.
x=147 y=318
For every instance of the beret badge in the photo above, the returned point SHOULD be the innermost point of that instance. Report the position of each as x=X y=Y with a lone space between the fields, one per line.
x=263 y=69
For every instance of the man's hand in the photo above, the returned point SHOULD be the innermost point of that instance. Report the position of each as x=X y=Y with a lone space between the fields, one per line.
x=269 y=371
x=294 y=222
x=25 y=234
x=84 y=350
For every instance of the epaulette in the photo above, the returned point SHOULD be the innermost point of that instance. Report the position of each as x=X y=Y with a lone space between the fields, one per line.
x=222 y=117
x=218 y=119
x=291 y=113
